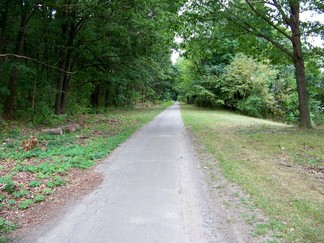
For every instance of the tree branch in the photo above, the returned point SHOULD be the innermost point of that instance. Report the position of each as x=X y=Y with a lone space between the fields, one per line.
x=248 y=27
x=267 y=20
x=281 y=11
x=36 y=61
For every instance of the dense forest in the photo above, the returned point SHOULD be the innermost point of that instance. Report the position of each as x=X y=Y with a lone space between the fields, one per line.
x=71 y=56
x=75 y=56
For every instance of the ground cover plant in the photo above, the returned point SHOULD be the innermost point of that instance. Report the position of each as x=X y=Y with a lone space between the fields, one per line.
x=28 y=177
x=280 y=167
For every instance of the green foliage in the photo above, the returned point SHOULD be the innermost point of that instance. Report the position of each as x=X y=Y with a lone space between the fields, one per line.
x=21 y=193
x=114 y=54
x=25 y=204
x=7 y=184
x=39 y=198
x=50 y=184
x=206 y=98
x=251 y=106
x=3 y=128
x=34 y=183
x=213 y=29
x=5 y=228
x=246 y=83
x=48 y=191
x=58 y=181
x=11 y=202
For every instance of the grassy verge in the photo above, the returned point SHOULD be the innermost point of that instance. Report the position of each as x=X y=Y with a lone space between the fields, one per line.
x=28 y=177
x=279 y=166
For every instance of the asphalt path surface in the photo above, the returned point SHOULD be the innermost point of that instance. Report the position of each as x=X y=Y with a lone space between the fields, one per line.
x=151 y=193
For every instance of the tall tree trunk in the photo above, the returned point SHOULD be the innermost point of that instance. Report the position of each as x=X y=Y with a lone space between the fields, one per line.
x=34 y=91
x=304 y=113
x=66 y=85
x=107 y=98
x=62 y=65
x=69 y=28
x=59 y=85
x=9 y=105
x=94 y=98
x=116 y=98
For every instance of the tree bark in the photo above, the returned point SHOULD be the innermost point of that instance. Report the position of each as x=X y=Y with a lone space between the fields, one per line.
x=107 y=98
x=62 y=65
x=54 y=131
x=71 y=128
x=66 y=84
x=109 y=95
x=94 y=99
x=304 y=113
x=59 y=90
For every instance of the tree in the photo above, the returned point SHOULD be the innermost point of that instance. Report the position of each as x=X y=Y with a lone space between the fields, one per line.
x=26 y=10
x=70 y=54
x=276 y=21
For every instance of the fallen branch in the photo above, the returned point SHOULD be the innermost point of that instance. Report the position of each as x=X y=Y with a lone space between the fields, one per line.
x=71 y=128
x=54 y=131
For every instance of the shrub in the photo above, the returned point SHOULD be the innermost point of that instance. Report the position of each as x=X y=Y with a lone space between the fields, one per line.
x=205 y=98
x=246 y=83
x=252 y=106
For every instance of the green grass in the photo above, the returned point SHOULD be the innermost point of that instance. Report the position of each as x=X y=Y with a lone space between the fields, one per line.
x=28 y=177
x=272 y=163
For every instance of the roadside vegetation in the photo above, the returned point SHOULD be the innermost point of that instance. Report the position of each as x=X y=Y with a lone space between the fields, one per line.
x=256 y=58
x=280 y=167
x=29 y=177
x=249 y=86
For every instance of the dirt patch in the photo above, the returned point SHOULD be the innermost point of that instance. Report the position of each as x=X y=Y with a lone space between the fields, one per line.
x=316 y=170
x=82 y=182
